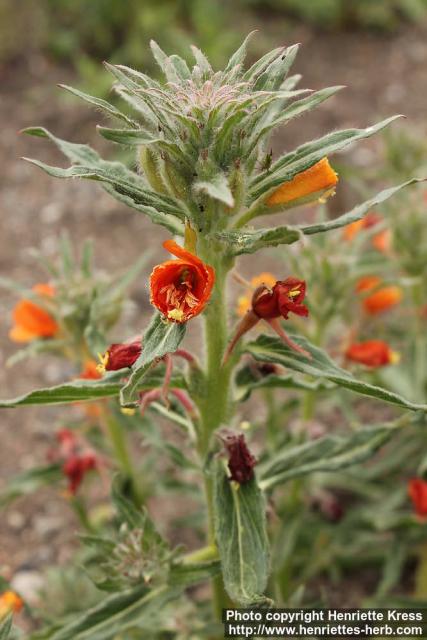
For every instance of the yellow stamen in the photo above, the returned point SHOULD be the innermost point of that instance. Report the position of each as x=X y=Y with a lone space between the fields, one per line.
x=294 y=292
x=328 y=194
x=103 y=361
x=176 y=314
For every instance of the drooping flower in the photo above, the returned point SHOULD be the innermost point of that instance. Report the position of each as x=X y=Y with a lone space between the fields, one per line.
x=417 y=490
x=353 y=229
x=241 y=462
x=10 y=602
x=181 y=288
x=270 y=304
x=382 y=300
x=120 y=356
x=76 y=467
x=75 y=457
x=31 y=321
x=244 y=302
x=372 y=353
x=318 y=180
x=285 y=297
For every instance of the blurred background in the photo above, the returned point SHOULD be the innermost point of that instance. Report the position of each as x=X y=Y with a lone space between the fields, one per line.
x=378 y=48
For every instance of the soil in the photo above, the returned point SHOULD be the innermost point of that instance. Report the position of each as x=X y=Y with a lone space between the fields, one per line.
x=384 y=75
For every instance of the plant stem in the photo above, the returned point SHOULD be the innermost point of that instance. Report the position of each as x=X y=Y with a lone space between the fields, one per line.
x=214 y=406
x=119 y=445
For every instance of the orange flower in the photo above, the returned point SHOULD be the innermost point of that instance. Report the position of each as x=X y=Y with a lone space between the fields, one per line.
x=367 y=283
x=382 y=300
x=32 y=321
x=90 y=371
x=10 y=602
x=181 y=288
x=372 y=353
x=244 y=302
x=417 y=490
x=353 y=229
x=318 y=180
x=382 y=241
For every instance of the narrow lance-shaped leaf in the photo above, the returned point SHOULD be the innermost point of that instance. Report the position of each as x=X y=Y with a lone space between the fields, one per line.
x=248 y=380
x=240 y=530
x=308 y=154
x=6 y=628
x=86 y=390
x=251 y=240
x=100 y=104
x=137 y=607
x=357 y=213
x=269 y=349
x=330 y=453
x=161 y=337
x=238 y=56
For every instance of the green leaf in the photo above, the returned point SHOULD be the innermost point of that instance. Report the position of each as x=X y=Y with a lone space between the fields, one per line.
x=305 y=156
x=248 y=380
x=277 y=70
x=6 y=627
x=358 y=212
x=161 y=337
x=188 y=574
x=240 y=530
x=216 y=188
x=86 y=390
x=251 y=240
x=269 y=349
x=132 y=137
x=100 y=104
x=239 y=56
x=330 y=453
x=137 y=607
x=201 y=61
x=124 y=185
x=29 y=481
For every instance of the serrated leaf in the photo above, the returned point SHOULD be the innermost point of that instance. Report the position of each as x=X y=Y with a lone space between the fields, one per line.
x=160 y=338
x=29 y=481
x=100 y=104
x=330 y=453
x=240 y=530
x=85 y=390
x=216 y=188
x=251 y=240
x=269 y=349
x=358 y=212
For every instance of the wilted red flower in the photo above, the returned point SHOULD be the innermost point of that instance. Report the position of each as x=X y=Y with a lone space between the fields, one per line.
x=318 y=179
x=285 y=297
x=353 y=229
x=417 y=490
x=270 y=304
x=76 y=467
x=244 y=302
x=181 y=288
x=31 y=321
x=372 y=353
x=382 y=300
x=74 y=456
x=240 y=460
x=120 y=356
x=10 y=602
